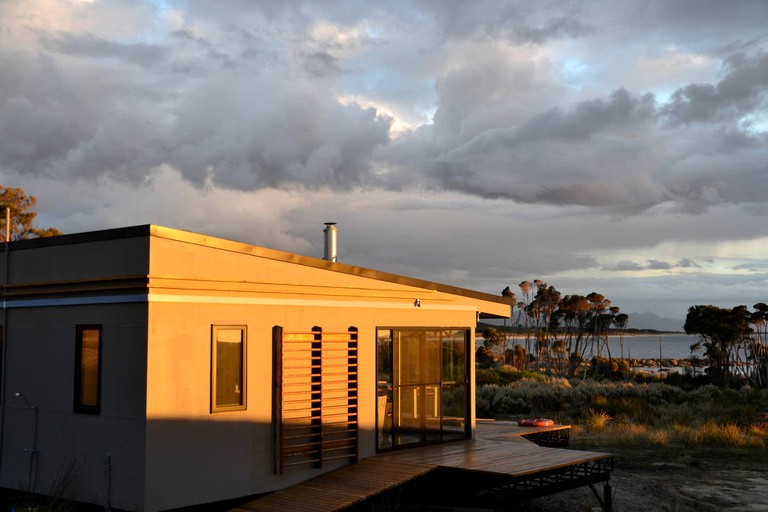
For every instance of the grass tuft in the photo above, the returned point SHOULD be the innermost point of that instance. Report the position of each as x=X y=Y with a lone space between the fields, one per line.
x=598 y=420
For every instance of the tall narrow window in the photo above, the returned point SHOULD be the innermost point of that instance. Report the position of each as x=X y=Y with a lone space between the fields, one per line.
x=88 y=369
x=228 y=368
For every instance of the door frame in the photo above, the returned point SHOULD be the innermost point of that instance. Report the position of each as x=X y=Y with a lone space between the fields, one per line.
x=386 y=388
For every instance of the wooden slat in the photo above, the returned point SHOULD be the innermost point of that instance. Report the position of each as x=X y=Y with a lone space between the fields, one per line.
x=318 y=397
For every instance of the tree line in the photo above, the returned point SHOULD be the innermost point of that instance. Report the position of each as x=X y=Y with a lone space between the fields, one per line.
x=568 y=334
x=733 y=340
x=562 y=330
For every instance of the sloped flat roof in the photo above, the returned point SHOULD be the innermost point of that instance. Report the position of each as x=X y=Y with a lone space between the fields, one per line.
x=243 y=248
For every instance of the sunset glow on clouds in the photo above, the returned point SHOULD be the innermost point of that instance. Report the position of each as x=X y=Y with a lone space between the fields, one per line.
x=619 y=147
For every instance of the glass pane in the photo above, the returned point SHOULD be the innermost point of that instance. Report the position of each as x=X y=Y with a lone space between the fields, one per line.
x=454 y=389
x=454 y=357
x=427 y=380
x=89 y=367
x=229 y=367
x=408 y=365
x=384 y=388
x=431 y=358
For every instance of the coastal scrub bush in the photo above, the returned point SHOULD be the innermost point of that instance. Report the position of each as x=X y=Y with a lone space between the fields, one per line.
x=487 y=377
x=625 y=409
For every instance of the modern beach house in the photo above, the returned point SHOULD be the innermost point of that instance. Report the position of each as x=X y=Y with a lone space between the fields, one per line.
x=148 y=368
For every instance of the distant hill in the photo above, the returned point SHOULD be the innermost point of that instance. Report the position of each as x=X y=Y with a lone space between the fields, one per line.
x=650 y=320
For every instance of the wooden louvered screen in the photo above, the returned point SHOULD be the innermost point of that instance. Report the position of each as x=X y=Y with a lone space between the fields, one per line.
x=315 y=397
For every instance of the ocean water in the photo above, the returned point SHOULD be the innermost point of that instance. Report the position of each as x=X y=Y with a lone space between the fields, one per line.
x=648 y=346
x=642 y=346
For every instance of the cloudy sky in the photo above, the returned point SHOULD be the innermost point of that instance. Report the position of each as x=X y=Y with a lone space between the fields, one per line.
x=610 y=146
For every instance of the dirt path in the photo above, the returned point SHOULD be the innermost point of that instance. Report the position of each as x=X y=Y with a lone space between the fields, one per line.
x=643 y=482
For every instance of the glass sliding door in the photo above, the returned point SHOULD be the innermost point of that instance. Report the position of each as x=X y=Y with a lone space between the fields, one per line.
x=422 y=386
x=454 y=384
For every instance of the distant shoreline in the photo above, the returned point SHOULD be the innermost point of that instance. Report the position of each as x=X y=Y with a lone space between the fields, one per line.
x=520 y=329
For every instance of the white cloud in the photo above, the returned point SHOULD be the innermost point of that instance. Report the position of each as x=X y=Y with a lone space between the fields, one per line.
x=478 y=144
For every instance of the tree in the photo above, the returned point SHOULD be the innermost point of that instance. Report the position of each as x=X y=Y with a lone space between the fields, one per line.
x=22 y=215
x=620 y=321
x=722 y=332
x=759 y=346
x=540 y=310
x=495 y=343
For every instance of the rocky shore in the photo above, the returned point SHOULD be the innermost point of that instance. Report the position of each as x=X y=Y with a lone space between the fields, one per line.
x=666 y=363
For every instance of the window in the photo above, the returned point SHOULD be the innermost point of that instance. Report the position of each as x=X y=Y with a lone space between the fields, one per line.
x=228 y=368
x=422 y=385
x=88 y=369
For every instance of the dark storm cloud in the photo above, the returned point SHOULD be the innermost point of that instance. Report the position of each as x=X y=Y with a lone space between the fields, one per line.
x=624 y=153
x=90 y=46
x=651 y=264
x=247 y=97
x=291 y=137
x=205 y=46
x=515 y=21
x=741 y=91
x=589 y=117
x=73 y=109
x=687 y=263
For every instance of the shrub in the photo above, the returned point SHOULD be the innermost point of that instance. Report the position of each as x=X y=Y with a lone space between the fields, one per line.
x=597 y=420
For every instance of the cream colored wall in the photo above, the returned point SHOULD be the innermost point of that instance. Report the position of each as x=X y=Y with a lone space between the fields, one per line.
x=182 y=454
x=180 y=267
x=194 y=456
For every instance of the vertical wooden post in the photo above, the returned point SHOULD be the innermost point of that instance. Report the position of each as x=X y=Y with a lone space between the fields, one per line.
x=607 y=498
x=277 y=396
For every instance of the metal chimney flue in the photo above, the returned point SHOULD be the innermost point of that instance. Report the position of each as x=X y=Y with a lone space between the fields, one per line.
x=330 y=253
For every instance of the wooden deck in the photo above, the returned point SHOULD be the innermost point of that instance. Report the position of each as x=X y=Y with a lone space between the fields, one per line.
x=499 y=450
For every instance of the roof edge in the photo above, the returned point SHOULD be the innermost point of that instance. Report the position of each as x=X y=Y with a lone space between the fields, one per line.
x=244 y=248
x=79 y=238
x=309 y=261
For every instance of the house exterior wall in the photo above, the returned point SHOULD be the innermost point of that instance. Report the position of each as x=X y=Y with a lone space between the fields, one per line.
x=157 y=292
x=73 y=447
x=214 y=456
x=52 y=289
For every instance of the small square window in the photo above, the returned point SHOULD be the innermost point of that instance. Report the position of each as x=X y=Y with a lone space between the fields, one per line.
x=228 y=345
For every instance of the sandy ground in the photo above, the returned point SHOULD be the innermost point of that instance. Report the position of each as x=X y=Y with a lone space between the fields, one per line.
x=642 y=483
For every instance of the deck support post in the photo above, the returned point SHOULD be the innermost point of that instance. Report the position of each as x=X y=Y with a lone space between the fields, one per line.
x=607 y=497
x=606 y=500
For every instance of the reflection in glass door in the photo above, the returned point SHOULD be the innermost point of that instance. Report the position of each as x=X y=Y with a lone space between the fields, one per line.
x=422 y=386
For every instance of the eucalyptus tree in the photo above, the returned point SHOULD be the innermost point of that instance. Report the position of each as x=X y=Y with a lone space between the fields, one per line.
x=599 y=320
x=575 y=310
x=22 y=215
x=495 y=344
x=722 y=332
x=541 y=308
x=759 y=344
x=620 y=321
x=526 y=287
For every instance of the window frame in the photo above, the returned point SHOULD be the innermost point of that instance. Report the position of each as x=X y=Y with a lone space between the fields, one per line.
x=243 y=369
x=78 y=405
